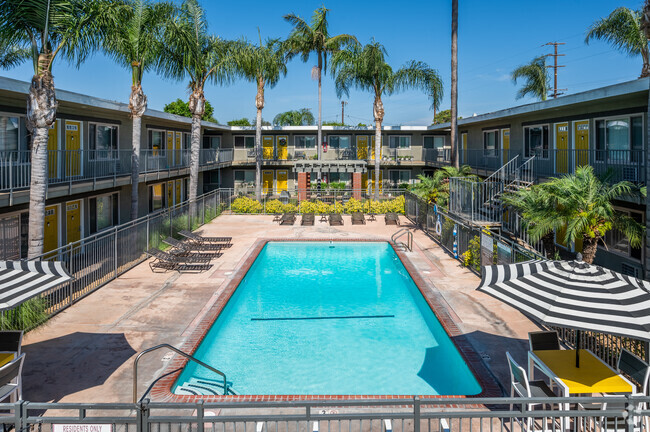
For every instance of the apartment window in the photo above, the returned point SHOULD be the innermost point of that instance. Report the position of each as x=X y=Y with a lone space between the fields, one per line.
x=9 y=133
x=156 y=196
x=536 y=141
x=339 y=142
x=399 y=142
x=339 y=177
x=156 y=140
x=242 y=141
x=187 y=140
x=491 y=142
x=430 y=142
x=211 y=142
x=398 y=177
x=244 y=176
x=619 y=139
x=103 y=212
x=305 y=141
x=103 y=141
x=617 y=242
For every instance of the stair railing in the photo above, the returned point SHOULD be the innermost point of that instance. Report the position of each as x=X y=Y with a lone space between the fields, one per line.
x=409 y=238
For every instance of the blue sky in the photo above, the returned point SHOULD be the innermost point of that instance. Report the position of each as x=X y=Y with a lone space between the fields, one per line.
x=494 y=37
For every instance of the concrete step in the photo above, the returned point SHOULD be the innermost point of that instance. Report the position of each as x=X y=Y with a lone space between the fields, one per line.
x=202 y=387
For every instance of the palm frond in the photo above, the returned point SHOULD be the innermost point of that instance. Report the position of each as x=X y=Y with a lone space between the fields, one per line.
x=622 y=29
x=537 y=80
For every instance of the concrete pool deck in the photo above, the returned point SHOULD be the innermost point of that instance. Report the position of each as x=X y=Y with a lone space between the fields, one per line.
x=86 y=353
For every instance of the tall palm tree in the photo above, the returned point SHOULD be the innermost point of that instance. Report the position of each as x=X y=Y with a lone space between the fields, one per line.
x=536 y=76
x=315 y=38
x=454 y=84
x=190 y=52
x=47 y=30
x=301 y=117
x=135 y=43
x=265 y=65
x=365 y=68
x=623 y=29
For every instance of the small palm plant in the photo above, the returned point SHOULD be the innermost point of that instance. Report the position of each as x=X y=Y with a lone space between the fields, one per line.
x=537 y=80
x=366 y=69
x=306 y=39
x=190 y=52
x=435 y=188
x=43 y=31
x=624 y=29
x=134 y=41
x=265 y=65
x=301 y=117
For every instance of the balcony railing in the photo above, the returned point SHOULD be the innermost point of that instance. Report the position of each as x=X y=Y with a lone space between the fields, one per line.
x=66 y=166
x=437 y=156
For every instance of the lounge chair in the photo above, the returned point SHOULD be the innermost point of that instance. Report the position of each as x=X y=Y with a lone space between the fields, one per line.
x=189 y=246
x=201 y=239
x=288 y=219
x=358 y=219
x=11 y=341
x=543 y=340
x=307 y=219
x=11 y=383
x=391 y=219
x=163 y=260
x=335 y=219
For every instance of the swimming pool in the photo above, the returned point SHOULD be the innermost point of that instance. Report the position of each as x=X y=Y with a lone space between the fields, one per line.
x=315 y=318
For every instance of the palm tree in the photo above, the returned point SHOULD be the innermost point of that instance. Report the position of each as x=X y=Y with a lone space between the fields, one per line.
x=623 y=28
x=315 y=38
x=366 y=69
x=301 y=117
x=536 y=76
x=265 y=65
x=44 y=31
x=435 y=188
x=454 y=84
x=135 y=43
x=190 y=52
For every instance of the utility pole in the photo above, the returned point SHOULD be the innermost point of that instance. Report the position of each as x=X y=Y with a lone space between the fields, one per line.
x=343 y=104
x=555 y=55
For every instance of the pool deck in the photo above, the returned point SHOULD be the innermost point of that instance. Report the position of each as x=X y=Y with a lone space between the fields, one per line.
x=86 y=353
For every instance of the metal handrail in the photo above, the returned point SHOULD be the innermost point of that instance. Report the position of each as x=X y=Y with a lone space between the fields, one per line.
x=177 y=351
x=409 y=237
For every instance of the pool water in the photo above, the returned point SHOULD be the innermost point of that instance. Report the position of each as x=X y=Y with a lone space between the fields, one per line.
x=319 y=318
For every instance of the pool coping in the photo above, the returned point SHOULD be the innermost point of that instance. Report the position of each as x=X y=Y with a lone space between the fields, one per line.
x=161 y=391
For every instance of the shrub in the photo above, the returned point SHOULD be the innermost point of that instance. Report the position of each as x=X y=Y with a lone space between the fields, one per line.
x=337 y=207
x=26 y=316
x=274 y=206
x=472 y=257
x=246 y=205
x=354 y=205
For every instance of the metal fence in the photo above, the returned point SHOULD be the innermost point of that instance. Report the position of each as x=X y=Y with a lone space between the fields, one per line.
x=608 y=414
x=93 y=261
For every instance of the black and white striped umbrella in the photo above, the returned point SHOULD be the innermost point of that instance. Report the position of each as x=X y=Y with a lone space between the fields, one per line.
x=22 y=280
x=573 y=294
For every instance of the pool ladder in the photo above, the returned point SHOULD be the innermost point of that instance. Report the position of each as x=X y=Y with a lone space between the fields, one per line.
x=409 y=239
x=177 y=351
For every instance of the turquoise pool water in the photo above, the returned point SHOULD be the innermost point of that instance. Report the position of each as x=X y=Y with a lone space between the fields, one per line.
x=320 y=318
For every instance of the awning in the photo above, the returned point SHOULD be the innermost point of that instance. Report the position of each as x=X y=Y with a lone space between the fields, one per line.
x=22 y=280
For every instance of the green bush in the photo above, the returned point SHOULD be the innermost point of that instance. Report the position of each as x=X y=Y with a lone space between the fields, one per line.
x=25 y=317
x=354 y=205
x=274 y=206
x=246 y=205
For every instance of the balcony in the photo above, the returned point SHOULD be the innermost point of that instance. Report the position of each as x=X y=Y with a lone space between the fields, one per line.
x=437 y=156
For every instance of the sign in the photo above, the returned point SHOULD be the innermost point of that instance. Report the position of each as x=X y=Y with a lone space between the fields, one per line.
x=583 y=127
x=71 y=207
x=504 y=253
x=71 y=127
x=82 y=427
x=487 y=250
x=563 y=128
x=506 y=132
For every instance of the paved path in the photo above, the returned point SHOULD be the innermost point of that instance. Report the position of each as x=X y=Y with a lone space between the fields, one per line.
x=85 y=354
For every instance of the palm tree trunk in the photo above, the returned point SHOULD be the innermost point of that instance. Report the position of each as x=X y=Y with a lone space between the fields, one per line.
x=548 y=240
x=41 y=114
x=320 y=111
x=589 y=248
x=645 y=71
x=378 y=109
x=197 y=108
x=454 y=83
x=137 y=105
x=259 y=104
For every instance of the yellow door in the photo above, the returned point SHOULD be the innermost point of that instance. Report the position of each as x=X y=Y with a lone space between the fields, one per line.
x=372 y=149
x=170 y=148
x=505 y=145
x=283 y=151
x=170 y=193
x=364 y=181
x=178 y=191
x=463 y=140
x=581 y=144
x=73 y=221
x=267 y=181
x=51 y=232
x=372 y=180
x=73 y=148
x=282 y=177
x=562 y=148
x=52 y=150
x=177 y=148
x=362 y=148
x=559 y=236
x=267 y=147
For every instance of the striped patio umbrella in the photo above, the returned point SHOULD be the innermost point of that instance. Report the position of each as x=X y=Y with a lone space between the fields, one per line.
x=22 y=280
x=573 y=294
